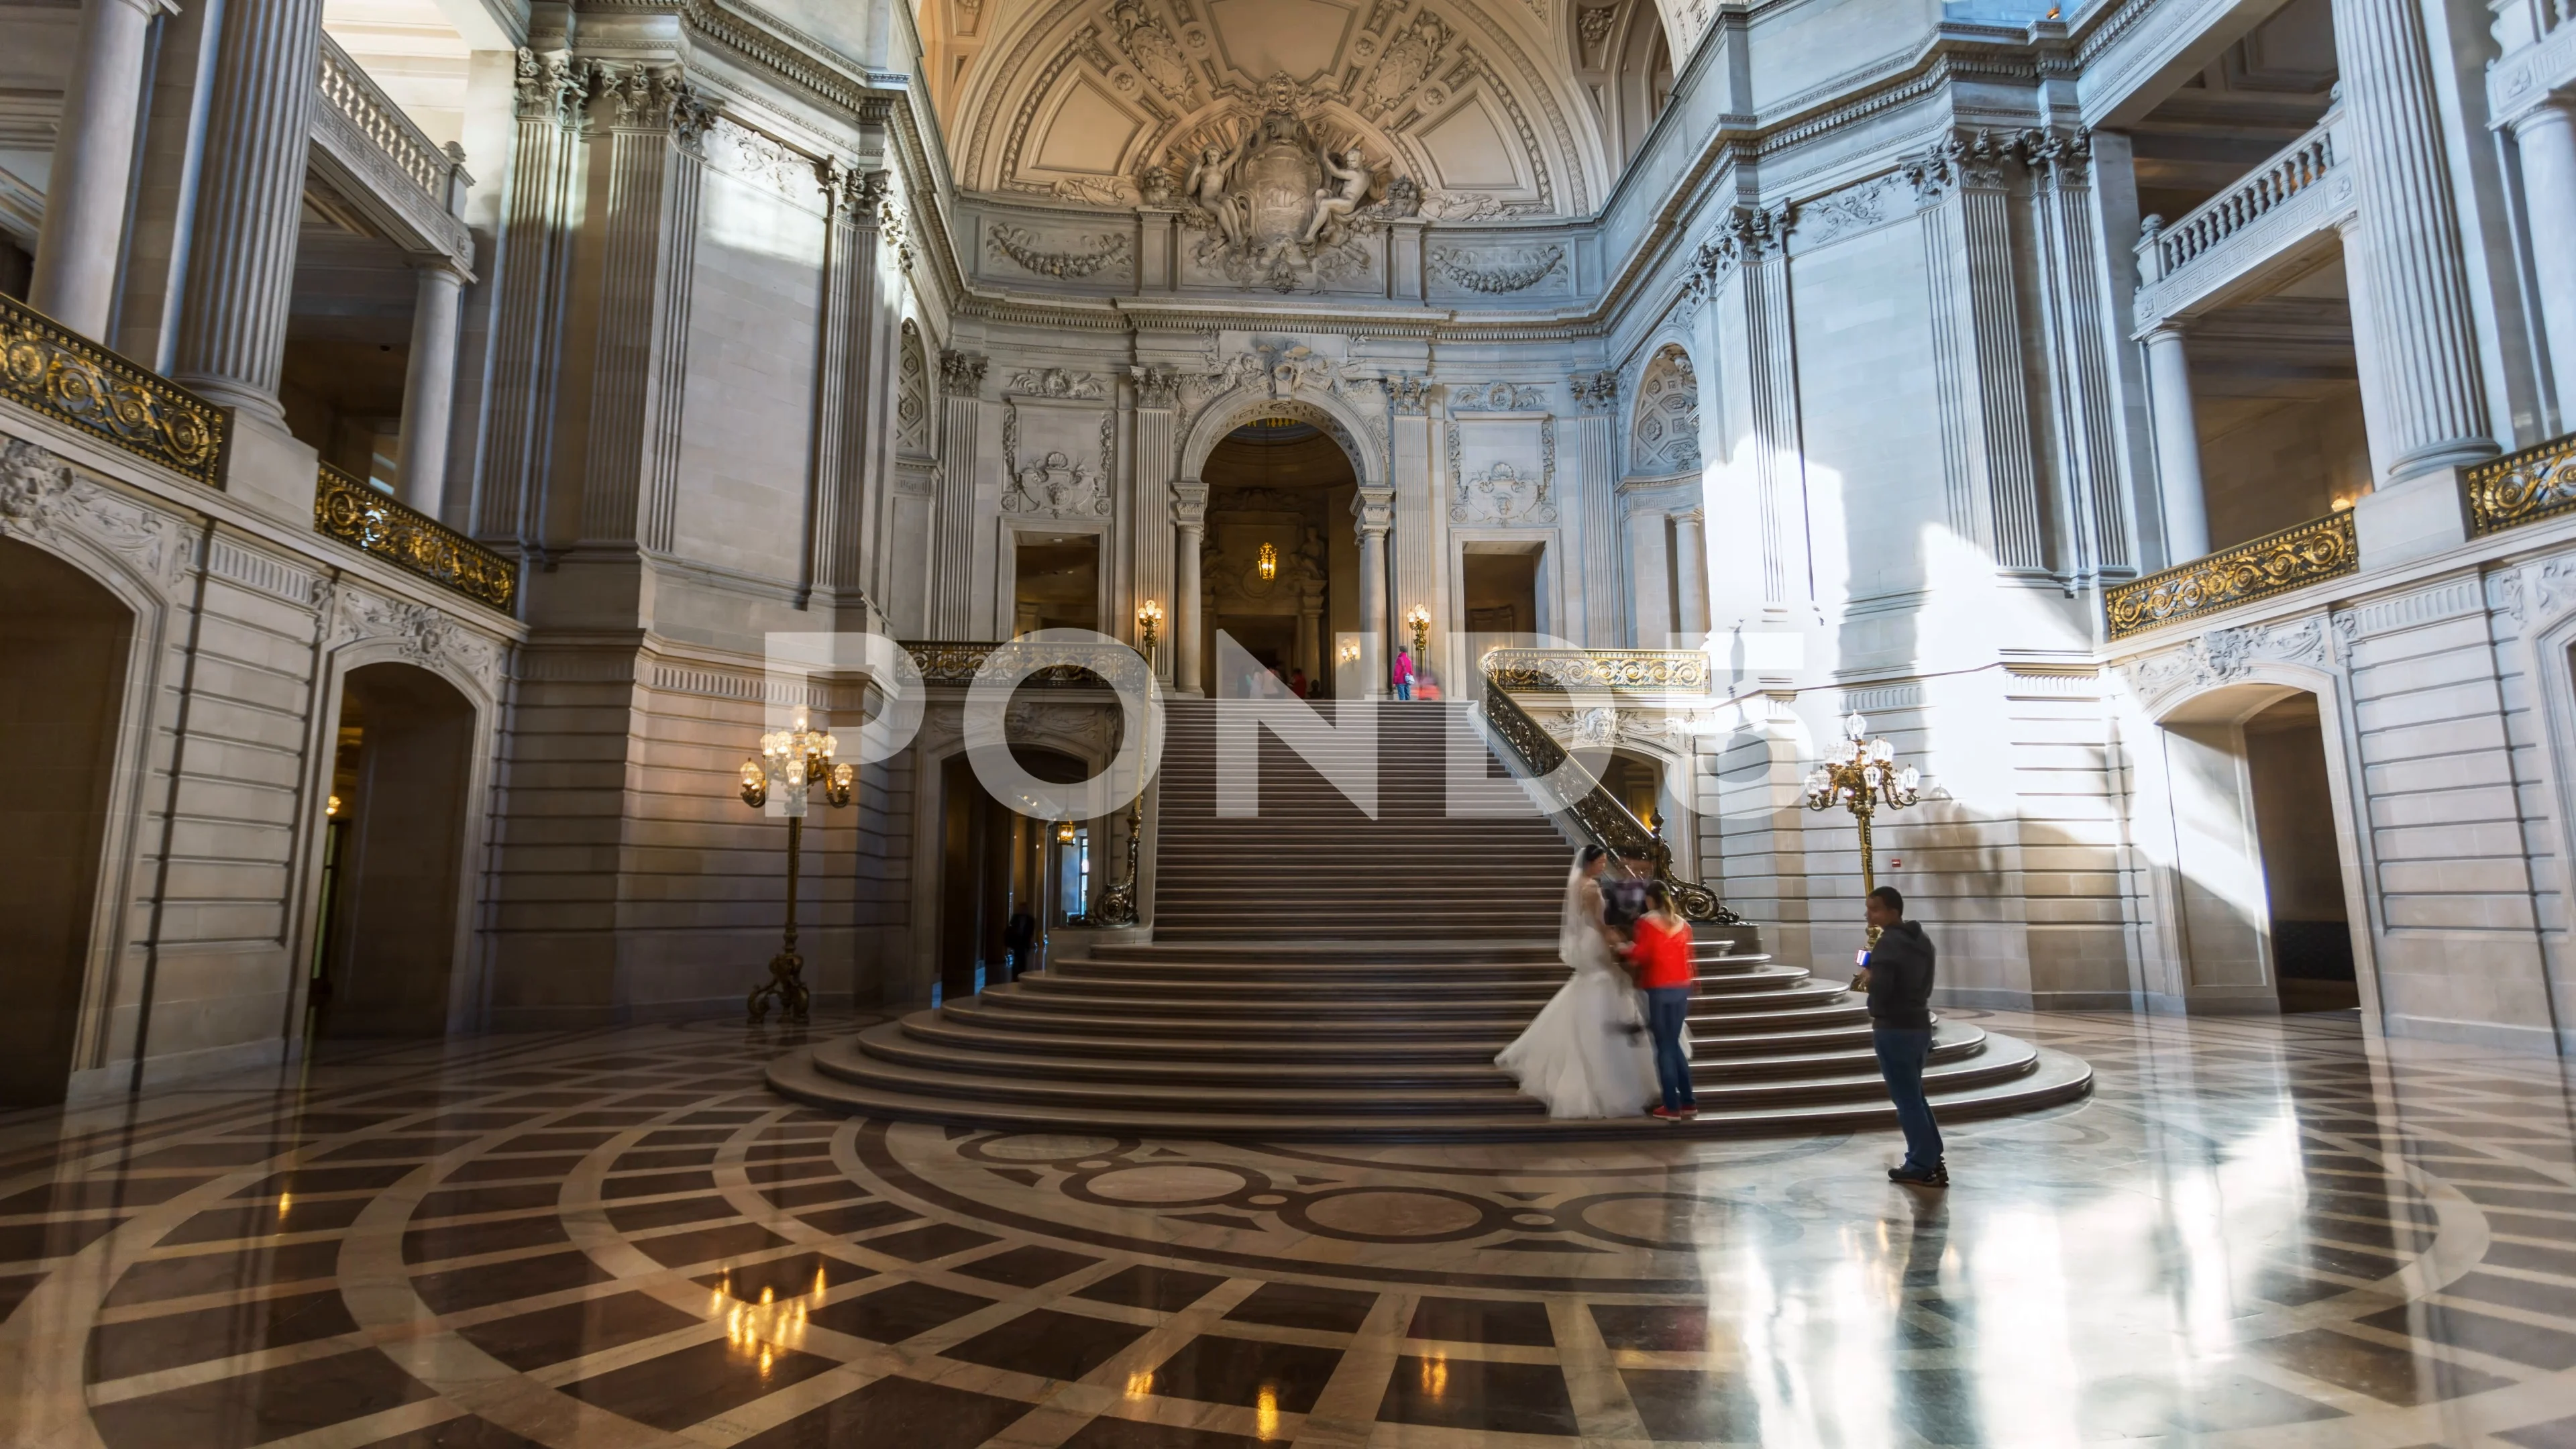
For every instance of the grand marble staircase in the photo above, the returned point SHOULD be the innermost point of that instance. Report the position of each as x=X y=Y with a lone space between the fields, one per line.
x=1317 y=975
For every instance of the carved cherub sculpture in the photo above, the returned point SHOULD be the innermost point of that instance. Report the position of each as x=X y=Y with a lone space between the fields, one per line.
x=1210 y=186
x=1351 y=177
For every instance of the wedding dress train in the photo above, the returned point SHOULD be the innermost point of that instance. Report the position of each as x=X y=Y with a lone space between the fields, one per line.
x=1586 y=1054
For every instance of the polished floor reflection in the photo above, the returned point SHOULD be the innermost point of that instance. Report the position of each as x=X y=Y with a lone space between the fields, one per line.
x=2253 y=1233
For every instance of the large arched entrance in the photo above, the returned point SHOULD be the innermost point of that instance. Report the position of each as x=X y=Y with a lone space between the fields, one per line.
x=2259 y=854
x=393 y=856
x=65 y=644
x=1280 y=576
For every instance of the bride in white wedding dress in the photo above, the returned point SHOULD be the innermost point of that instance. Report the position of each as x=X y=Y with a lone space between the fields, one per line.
x=1586 y=1054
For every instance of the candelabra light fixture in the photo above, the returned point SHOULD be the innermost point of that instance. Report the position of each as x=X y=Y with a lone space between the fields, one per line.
x=1419 y=618
x=1149 y=622
x=1118 y=903
x=1861 y=775
x=796 y=761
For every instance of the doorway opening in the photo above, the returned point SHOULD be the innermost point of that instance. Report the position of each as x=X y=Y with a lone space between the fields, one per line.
x=2285 y=761
x=994 y=870
x=64 y=648
x=1055 y=583
x=1281 y=577
x=393 y=856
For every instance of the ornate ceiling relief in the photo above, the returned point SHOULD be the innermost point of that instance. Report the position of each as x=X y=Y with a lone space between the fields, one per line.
x=1664 y=438
x=1280 y=128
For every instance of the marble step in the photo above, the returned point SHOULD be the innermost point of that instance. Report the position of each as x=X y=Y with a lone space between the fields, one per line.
x=1340 y=1053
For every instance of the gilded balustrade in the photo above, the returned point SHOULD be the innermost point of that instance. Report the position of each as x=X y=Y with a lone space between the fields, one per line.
x=2525 y=487
x=66 y=376
x=1597 y=813
x=2322 y=548
x=1058 y=666
x=349 y=510
x=1653 y=671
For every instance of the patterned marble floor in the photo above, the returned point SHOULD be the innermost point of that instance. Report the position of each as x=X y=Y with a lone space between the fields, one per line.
x=2254 y=1233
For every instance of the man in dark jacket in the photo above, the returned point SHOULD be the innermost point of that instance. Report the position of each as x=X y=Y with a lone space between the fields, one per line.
x=1898 y=977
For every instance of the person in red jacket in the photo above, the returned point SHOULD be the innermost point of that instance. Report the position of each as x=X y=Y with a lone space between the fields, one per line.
x=1661 y=954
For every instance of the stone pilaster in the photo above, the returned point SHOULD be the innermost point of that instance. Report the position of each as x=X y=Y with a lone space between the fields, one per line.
x=638 y=362
x=538 y=231
x=1593 y=432
x=1155 y=432
x=1988 y=458
x=2088 y=443
x=1690 y=576
x=2186 y=504
x=1189 y=615
x=2417 y=346
x=250 y=202
x=841 y=434
x=961 y=383
x=1744 y=275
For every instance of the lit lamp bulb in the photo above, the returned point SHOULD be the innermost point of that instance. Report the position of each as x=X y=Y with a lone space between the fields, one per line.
x=755 y=784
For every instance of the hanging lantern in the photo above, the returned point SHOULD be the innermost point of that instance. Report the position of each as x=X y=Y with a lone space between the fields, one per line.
x=1269 y=561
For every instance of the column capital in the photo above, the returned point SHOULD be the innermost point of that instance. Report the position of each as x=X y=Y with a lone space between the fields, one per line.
x=1189 y=503
x=1375 y=510
x=961 y=374
x=1156 y=387
x=1691 y=516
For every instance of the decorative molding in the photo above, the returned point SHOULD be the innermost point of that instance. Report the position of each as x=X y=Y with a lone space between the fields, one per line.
x=74 y=381
x=1656 y=671
x=1157 y=387
x=961 y=374
x=1594 y=392
x=1055 y=485
x=425 y=635
x=2320 y=549
x=1494 y=274
x=1097 y=253
x=1663 y=433
x=2224 y=656
x=44 y=502
x=1056 y=382
x=1497 y=397
x=1408 y=394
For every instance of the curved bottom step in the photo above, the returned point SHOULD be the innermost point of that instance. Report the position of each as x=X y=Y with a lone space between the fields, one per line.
x=2053 y=1078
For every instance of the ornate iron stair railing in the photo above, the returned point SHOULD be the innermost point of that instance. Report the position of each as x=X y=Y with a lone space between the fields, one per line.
x=1596 y=812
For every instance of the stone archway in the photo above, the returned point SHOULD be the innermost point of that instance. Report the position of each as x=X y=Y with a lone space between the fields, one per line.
x=1337 y=420
x=65 y=645
x=394 y=855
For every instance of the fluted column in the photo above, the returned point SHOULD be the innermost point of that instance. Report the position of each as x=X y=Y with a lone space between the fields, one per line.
x=2546 y=137
x=1690 y=575
x=2177 y=447
x=2418 y=356
x=961 y=384
x=842 y=436
x=1374 y=508
x=1157 y=395
x=84 y=227
x=429 y=386
x=1189 y=641
x=241 y=267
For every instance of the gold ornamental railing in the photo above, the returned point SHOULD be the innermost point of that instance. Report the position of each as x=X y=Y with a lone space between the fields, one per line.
x=354 y=513
x=2518 y=488
x=2321 y=548
x=1059 y=666
x=66 y=376
x=1597 y=813
x=1650 y=671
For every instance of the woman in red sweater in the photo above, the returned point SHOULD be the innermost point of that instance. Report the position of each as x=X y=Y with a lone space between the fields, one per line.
x=1661 y=955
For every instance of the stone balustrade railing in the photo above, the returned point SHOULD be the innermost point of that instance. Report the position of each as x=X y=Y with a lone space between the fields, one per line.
x=1651 y=671
x=347 y=90
x=2322 y=548
x=348 y=510
x=2167 y=249
x=65 y=376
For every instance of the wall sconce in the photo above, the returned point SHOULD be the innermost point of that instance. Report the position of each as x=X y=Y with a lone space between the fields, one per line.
x=1420 y=619
x=1149 y=619
x=1269 y=564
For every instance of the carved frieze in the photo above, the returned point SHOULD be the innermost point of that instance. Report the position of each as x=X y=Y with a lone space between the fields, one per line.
x=1088 y=256
x=1497 y=397
x=43 y=502
x=1496 y=273
x=1056 y=382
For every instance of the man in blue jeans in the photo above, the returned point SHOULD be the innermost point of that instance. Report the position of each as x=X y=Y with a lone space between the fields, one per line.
x=1898 y=977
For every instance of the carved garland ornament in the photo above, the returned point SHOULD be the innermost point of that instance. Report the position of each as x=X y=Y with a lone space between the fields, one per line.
x=1099 y=253
x=1511 y=272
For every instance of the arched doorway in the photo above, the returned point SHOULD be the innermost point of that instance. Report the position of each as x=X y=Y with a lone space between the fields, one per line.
x=393 y=856
x=2259 y=853
x=64 y=650
x=1280 y=576
x=996 y=864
